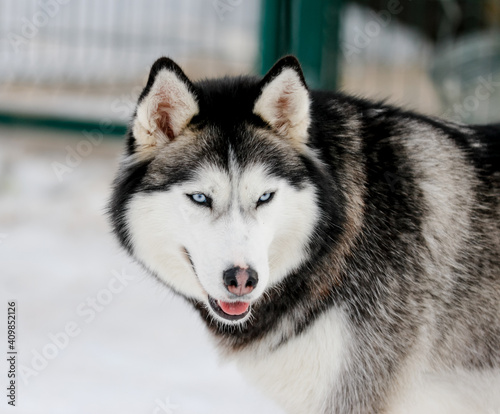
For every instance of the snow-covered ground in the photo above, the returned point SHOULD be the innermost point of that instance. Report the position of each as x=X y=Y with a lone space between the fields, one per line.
x=95 y=334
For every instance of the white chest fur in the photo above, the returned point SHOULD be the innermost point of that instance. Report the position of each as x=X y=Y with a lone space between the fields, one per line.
x=300 y=373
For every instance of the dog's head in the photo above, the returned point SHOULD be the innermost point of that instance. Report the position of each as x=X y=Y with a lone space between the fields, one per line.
x=215 y=195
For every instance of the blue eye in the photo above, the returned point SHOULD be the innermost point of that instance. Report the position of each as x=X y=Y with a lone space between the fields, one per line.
x=200 y=198
x=265 y=198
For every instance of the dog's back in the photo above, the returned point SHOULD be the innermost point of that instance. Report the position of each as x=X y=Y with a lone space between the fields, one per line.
x=421 y=282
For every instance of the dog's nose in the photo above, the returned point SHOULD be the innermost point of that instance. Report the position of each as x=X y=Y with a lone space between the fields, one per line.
x=240 y=281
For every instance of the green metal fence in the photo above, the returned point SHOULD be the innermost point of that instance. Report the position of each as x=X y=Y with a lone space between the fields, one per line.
x=430 y=55
x=88 y=59
x=307 y=29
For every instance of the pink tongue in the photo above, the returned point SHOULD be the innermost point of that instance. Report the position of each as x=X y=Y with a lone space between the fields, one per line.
x=234 y=308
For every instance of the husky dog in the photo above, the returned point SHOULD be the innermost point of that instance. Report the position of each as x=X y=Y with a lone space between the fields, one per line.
x=345 y=253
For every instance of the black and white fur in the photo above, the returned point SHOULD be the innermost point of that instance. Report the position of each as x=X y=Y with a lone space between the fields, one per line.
x=378 y=254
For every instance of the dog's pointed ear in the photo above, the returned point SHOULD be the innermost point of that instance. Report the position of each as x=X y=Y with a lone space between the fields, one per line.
x=166 y=106
x=284 y=100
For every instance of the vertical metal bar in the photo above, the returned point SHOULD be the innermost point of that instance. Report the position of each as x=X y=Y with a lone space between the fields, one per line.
x=275 y=31
x=308 y=29
x=331 y=53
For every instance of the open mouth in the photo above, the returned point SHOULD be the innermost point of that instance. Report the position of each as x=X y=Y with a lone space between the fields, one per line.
x=232 y=311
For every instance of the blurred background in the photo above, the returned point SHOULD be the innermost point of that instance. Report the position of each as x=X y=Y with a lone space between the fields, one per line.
x=70 y=73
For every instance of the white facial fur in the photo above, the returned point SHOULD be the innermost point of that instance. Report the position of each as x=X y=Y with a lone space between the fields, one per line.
x=189 y=246
x=271 y=238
